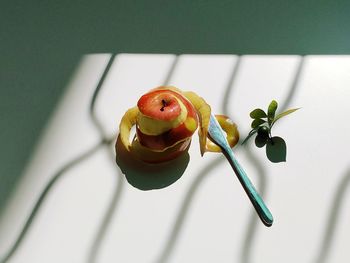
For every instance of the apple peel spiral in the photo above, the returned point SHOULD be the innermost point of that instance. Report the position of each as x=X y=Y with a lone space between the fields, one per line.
x=165 y=119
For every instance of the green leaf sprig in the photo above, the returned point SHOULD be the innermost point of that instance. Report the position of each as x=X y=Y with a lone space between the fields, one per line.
x=262 y=125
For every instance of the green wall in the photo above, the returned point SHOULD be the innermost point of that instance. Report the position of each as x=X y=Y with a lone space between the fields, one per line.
x=41 y=43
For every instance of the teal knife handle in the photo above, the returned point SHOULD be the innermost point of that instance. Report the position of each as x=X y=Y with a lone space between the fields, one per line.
x=258 y=203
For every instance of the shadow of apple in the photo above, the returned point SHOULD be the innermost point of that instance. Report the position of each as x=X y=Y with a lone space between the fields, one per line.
x=147 y=176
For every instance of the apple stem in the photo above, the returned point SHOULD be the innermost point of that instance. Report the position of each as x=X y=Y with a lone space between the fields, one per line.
x=164 y=104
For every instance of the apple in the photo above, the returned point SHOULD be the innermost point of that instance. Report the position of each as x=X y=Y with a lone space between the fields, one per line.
x=166 y=118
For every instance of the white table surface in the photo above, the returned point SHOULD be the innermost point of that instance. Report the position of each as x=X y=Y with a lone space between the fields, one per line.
x=92 y=214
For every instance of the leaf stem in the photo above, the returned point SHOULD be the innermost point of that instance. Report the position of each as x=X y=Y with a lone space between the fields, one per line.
x=270 y=135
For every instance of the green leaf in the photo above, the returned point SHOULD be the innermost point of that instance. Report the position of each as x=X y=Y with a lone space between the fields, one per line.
x=264 y=131
x=257 y=122
x=257 y=114
x=272 y=110
x=276 y=150
x=285 y=113
x=251 y=133
x=260 y=141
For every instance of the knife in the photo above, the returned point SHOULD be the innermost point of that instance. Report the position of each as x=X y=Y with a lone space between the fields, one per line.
x=217 y=135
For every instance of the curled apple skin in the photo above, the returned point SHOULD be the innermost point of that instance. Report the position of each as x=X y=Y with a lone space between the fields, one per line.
x=232 y=134
x=165 y=119
x=147 y=155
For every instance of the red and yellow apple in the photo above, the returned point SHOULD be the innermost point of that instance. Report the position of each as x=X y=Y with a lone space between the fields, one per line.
x=165 y=119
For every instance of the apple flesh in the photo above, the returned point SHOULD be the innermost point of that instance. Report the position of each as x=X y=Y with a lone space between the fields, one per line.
x=166 y=119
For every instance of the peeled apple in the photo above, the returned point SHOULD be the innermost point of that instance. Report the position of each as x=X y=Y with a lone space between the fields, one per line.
x=165 y=119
